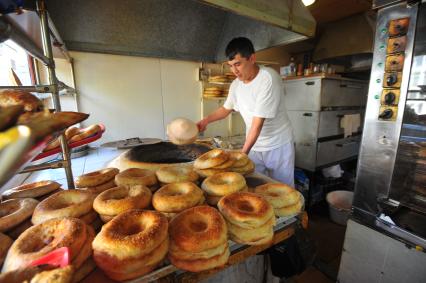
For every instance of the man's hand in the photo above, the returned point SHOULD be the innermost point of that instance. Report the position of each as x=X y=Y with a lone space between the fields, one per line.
x=202 y=125
x=218 y=114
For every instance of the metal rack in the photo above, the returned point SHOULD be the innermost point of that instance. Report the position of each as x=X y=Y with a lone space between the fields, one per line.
x=214 y=102
x=11 y=30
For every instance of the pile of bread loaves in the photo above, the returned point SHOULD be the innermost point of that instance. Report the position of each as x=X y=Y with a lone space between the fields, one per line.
x=218 y=160
x=23 y=108
x=75 y=134
x=129 y=223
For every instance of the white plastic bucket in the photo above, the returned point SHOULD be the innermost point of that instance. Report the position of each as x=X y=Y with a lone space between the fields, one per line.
x=339 y=204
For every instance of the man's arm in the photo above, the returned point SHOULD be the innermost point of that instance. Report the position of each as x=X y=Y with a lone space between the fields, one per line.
x=255 y=129
x=218 y=114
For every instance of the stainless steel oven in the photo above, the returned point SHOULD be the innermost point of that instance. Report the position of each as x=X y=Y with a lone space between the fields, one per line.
x=386 y=236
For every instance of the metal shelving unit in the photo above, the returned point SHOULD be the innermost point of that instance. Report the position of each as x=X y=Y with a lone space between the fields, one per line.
x=10 y=29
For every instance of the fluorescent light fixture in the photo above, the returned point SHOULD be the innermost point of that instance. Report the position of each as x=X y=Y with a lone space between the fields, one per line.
x=308 y=2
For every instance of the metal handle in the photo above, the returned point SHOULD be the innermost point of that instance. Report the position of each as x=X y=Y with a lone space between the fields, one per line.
x=310 y=83
x=351 y=86
x=346 y=143
x=307 y=114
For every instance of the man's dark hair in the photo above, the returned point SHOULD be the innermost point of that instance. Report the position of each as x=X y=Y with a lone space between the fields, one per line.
x=241 y=45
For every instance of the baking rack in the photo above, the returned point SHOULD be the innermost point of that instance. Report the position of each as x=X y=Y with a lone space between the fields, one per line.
x=19 y=25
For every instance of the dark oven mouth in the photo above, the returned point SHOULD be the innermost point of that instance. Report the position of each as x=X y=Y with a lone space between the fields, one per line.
x=166 y=152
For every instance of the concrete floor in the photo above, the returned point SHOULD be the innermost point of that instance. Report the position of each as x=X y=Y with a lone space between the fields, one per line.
x=328 y=238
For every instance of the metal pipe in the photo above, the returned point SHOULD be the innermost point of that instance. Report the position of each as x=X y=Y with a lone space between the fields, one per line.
x=36 y=88
x=36 y=71
x=74 y=85
x=47 y=48
x=9 y=31
x=58 y=38
x=48 y=165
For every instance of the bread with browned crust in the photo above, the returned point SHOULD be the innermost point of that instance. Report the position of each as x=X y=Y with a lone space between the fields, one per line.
x=212 y=158
x=96 y=178
x=246 y=236
x=45 y=123
x=277 y=194
x=176 y=174
x=57 y=275
x=10 y=97
x=69 y=203
x=120 y=199
x=131 y=244
x=177 y=197
x=15 y=211
x=86 y=250
x=130 y=268
x=206 y=254
x=20 y=275
x=198 y=229
x=9 y=115
x=198 y=265
x=31 y=190
x=136 y=176
x=245 y=209
x=222 y=184
x=133 y=233
x=5 y=243
x=43 y=238
x=88 y=266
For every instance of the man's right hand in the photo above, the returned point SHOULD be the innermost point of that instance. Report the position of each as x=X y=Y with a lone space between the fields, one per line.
x=202 y=125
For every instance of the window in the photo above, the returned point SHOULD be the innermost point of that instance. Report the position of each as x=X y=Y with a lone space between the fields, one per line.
x=12 y=56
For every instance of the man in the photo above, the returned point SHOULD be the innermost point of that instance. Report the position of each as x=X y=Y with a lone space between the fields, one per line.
x=258 y=94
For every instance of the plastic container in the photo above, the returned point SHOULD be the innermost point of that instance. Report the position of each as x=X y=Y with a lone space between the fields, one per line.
x=339 y=204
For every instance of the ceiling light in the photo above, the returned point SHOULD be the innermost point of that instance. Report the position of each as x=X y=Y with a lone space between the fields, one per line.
x=308 y=2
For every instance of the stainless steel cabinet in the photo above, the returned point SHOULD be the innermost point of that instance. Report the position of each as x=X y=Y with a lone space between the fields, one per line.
x=317 y=93
x=315 y=107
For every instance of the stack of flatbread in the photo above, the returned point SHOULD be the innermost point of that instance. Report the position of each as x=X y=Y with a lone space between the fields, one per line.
x=230 y=76
x=218 y=79
x=213 y=92
x=23 y=108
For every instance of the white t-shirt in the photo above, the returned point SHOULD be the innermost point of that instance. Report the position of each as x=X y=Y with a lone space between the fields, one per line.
x=262 y=97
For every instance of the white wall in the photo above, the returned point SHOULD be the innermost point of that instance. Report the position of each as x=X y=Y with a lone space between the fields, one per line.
x=135 y=96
